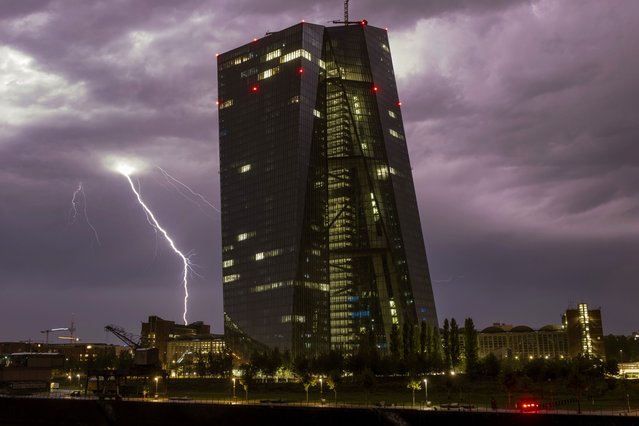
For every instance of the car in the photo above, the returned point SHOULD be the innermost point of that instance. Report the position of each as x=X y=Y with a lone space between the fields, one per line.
x=527 y=405
x=76 y=393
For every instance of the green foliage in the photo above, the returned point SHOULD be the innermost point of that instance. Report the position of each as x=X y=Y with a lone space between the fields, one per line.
x=423 y=338
x=395 y=342
x=454 y=344
x=471 y=349
x=446 y=345
x=247 y=377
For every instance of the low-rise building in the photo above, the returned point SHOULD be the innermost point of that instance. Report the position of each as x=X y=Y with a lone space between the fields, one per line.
x=523 y=342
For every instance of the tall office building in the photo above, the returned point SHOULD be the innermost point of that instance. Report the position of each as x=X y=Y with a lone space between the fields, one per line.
x=322 y=241
x=585 y=331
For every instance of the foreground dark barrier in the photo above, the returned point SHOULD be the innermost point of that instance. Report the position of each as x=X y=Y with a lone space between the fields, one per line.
x=16 y=411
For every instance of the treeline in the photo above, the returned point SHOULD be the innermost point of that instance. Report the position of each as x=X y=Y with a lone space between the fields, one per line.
x=413 y=350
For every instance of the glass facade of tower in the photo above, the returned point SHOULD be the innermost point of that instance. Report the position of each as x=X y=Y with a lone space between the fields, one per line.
x=322 y=243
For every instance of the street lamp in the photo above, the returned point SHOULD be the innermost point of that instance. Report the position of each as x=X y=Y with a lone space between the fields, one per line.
x=426 y=390
x=156 y=385
x=233 y=387
x=78 y=376
x=321 y=391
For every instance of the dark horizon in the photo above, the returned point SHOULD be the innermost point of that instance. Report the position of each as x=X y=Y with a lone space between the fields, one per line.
x=520 y=121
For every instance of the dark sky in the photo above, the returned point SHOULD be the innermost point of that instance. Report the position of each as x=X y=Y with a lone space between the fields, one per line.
x=522 y=120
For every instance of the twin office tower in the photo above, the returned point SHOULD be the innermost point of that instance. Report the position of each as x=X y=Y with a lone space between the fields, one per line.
x=322 y=242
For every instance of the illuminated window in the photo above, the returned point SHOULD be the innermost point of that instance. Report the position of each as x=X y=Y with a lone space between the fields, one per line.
x=268 y=73
x=382 y=172
x=296 y=54
x=316 y=113
x=227 y=248
x=245 y=168
x=294 y=100
x=226 y=104
x=271 y=286
x=231 y=278
x=272 y=55
x=245 y=235
x=396 y=134
x=293 y=318
x=228 y=263
x=392 y=114
x=270 y=253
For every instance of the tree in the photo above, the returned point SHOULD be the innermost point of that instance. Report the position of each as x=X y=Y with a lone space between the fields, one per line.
x=489 y=365
x=454 y=344
x=446 y=344
x=367 y=380
x=436 y=349
x=470 y=347
x=407 y=338
x=508 y=380
x=307 y=381
x=395 y=341
x=423 y=337
x=334 y=379
x=414 y=384
x=220 y=364
x=247 y=377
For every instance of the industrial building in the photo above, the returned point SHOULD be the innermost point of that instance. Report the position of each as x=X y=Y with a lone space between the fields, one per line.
x=177 y=342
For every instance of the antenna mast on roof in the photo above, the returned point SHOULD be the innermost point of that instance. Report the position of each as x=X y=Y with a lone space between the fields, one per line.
x=345 y=12
x=363 y=22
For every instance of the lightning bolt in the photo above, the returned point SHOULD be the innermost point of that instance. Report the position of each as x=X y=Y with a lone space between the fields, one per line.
x=174 y=182
x=188 y=266
x=73 y=213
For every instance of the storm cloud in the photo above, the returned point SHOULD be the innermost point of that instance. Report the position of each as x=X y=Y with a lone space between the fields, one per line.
x=521 y=121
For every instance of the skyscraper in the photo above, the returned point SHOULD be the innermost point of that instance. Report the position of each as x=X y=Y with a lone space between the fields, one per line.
x=322 y=242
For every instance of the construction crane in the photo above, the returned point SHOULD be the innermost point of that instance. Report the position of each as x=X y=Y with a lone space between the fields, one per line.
x=71 y=330
x=129 y=339
x=143 y=356
x=363 y=22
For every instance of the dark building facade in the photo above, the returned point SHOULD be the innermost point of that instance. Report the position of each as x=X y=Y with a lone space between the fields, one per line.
x=322 y=241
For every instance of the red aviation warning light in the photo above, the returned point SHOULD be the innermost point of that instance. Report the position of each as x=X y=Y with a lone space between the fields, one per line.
x=363 y=22
x=300 y=70
x=398 y=103
x=375 y=88
x=255 y=88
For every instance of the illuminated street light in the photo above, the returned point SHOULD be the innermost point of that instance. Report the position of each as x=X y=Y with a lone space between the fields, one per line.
x=426 y=390
x=156 y=385
x=321 y=390
x=233 y=387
